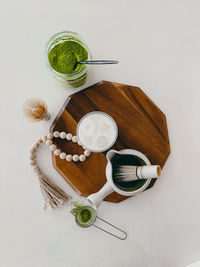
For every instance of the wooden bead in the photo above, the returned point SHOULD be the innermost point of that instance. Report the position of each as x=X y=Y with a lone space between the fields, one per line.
x=75 y=139
x=87 y=153
x=38 y=172
x=31 y=156
x=63 y=155
x=40 y=141
x=82 y=157
x=44 y=138
x=50 y=136
x=53 y=147
x=75 y=157
x=32 y=162
x=37 y=145
x=37 y=169
x=49 y=142
x=33 y=149
x=56 y=134
x=63 y=135
x=69 y=157
x=79 y=143
x=57 y=152
x=69 y=136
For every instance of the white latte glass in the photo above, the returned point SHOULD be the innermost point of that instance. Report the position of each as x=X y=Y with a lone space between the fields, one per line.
x=97 y=131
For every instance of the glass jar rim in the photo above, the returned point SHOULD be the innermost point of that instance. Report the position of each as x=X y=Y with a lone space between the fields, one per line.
x=72 y=34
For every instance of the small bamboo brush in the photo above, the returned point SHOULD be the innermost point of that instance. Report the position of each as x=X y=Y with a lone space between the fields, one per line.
x=35 y=109
x=125 y=173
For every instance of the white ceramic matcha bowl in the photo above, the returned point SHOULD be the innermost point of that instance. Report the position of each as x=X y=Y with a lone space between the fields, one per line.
x=109 y=187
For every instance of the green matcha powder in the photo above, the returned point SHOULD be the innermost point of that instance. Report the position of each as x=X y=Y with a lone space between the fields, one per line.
x=84 y=216
x=84 y=213
x=63 y=57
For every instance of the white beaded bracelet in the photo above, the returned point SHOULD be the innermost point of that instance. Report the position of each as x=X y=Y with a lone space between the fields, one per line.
x=57 y=152
x=53 y=195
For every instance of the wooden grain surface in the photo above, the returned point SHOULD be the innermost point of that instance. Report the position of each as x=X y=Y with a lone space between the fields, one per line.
x=142 y=126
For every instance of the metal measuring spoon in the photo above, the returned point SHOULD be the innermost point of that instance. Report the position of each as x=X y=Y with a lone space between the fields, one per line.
x=96 y=62
x=91 y=220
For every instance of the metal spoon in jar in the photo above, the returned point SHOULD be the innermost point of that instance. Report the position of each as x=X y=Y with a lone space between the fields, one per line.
x=96 y=62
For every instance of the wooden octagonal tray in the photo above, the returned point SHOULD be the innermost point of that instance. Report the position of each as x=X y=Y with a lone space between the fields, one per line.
x=142 y=126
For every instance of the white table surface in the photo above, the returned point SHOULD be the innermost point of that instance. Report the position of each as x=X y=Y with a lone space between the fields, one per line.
x=158 y=46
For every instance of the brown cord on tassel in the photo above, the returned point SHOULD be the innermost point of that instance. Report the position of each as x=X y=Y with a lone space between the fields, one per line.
x=54 y=196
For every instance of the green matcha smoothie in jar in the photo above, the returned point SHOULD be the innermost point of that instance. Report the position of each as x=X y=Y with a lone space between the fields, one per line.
x=62 y=52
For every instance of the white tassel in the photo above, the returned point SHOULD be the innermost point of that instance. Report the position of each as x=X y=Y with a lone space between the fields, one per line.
x=53 y=195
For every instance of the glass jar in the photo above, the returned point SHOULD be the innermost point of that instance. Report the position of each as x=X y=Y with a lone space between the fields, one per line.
x=75 y=79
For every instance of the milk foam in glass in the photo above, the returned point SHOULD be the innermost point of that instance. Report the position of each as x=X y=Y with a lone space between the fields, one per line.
x=97 y=131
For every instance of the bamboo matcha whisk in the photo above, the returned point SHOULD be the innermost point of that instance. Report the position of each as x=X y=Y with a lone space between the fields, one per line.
x=35 y=109
x=129 y=173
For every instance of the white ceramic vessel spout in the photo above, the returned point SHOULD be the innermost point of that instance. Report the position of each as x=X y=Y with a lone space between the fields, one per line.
x=96 y=198
x=109 y=187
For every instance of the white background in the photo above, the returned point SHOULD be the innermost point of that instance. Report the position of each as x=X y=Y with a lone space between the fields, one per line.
x=158 y=46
